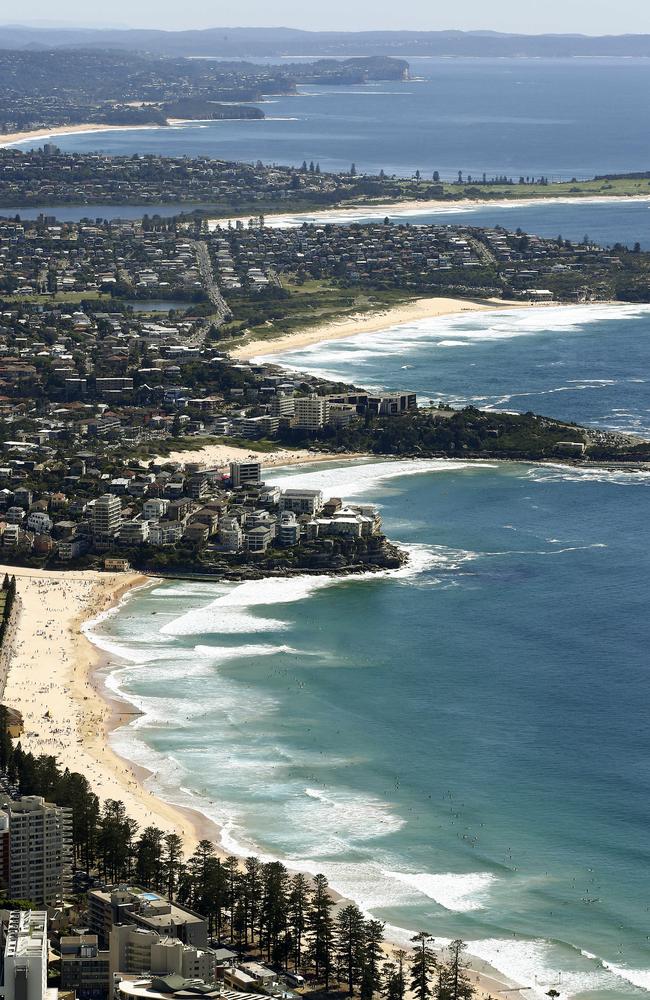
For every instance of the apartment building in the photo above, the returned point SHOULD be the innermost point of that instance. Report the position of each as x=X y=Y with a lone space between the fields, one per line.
x=106 y=517
x=302 y=501
x=36 y=848
x=25 y=957
x=311 y=413
x=84 y=967
x=135 y=950
x=243 y=473
x=148 y=910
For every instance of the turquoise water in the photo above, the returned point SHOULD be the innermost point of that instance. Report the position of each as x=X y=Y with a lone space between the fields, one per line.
x=462 y=745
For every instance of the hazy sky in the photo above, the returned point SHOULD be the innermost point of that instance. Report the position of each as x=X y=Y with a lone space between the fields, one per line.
x=585 y=16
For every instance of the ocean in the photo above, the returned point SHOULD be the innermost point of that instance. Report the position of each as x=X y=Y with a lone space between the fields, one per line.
x=460 y=746
x=585 y=363
x=562 y=118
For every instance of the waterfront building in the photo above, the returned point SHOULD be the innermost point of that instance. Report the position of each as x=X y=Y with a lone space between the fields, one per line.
x=282 y=405
x=311 y=413
x=36 y=848
x=106 y=517
x=131 y=904
x=230 y=534
x=259 y=538
x=302 y=501
x=341 y=414
x=136 y=950
x=382 y=405
x=165 y=532
x=134 y=532
x=116 y=565
x=288 y=529
x=244 y=473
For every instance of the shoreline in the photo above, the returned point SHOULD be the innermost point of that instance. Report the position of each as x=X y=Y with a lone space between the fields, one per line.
x=121 y=712
x=434 y=307
x=16 y=138
x=102 y=711
x=66 y=711
x=430 y=307
x=221 y=454
x=408 y=207
x=70 y=713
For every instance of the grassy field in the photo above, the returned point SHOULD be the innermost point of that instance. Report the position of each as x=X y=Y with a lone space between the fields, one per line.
x=624 y=187
x=311 y=303
x=412 y=190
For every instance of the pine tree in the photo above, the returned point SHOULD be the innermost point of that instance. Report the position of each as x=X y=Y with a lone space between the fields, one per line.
x=172 y=862
x=320 y=930
x=394 y=983
x=350 y=942
x=374 y=935
x=275 y=883
x=233 y=878
x=6 y=746
x=298 y=907
x=114 y=841
x=253 y=885
x=423 y=965
x=148 y=851
x=455 y=981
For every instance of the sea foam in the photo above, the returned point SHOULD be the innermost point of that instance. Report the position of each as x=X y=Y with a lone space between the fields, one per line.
x=459 y=892
x=460 y=329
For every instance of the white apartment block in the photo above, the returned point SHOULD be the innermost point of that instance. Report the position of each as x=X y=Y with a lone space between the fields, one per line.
x=107 y=516
x=135 y=950
x=302 y=501
x=310 y=413
x=36 y=848
x=25 y=958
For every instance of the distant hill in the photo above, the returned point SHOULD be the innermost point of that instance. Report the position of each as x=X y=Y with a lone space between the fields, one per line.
x=238 y=42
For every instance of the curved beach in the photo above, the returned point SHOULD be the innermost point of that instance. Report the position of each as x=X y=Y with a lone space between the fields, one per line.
x=55 y=682
x=424 y=308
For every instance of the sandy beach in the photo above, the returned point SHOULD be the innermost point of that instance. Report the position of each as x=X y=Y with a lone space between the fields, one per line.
x=351 y=326
x=51 y=683
x=68 y=713
x=405 y=209
x=217 y=456
x=13 y=138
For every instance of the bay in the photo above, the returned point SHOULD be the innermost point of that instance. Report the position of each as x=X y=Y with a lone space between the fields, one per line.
x=561 y=118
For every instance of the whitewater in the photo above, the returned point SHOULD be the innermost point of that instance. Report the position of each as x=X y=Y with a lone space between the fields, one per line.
x=219 y=670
